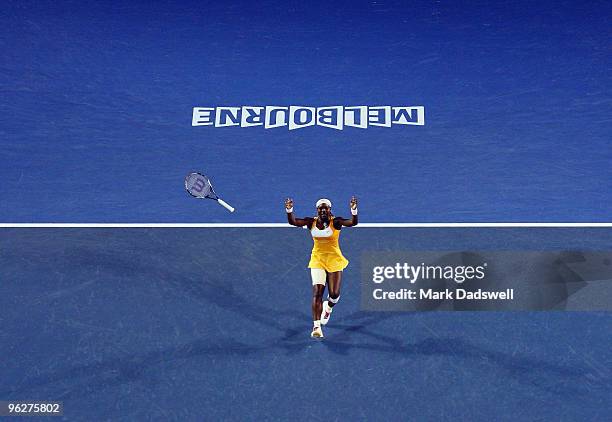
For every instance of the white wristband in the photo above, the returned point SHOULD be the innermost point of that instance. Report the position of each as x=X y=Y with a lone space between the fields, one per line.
x=354 y=211
x=289 y=211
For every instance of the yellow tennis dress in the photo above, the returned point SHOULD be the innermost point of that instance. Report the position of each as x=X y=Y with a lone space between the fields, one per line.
x=326 y=252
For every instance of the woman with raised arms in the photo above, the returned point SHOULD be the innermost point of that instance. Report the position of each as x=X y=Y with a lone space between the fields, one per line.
x=326 y=260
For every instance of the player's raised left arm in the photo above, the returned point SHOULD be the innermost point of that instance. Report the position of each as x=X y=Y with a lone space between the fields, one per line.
x=349 y=222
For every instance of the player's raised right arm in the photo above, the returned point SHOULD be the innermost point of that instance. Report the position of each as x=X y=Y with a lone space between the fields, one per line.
x=291 y=219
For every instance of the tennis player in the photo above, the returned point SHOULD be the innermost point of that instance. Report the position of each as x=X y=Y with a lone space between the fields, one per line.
x=326 y=261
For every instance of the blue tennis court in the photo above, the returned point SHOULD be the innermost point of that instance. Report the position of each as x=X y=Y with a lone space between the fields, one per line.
x=157 y=324
x=150 y=323
x=516 y=99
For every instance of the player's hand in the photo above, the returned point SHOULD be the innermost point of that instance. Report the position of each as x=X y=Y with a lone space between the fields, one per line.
x=288 y=203
x=354 y=203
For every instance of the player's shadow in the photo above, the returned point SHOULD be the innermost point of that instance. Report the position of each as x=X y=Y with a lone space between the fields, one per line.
x=85 y=379
x=346 y=337
x=357 y=332
x=286 y=332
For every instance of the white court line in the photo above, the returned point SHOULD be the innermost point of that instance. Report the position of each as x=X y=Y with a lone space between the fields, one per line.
x=285 y=225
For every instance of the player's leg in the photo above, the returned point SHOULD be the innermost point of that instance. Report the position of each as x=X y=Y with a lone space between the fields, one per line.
x=317 y=300
x=334 y=280
x=318 y=288
x=333 y=287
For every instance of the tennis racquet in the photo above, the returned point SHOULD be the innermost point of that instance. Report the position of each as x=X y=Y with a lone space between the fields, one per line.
x=199 y=186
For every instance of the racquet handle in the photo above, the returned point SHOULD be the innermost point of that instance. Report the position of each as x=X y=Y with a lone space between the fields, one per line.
x=226 y=205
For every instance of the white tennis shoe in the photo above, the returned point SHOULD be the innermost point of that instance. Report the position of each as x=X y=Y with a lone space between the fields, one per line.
x=325 y=313
x=316 y=332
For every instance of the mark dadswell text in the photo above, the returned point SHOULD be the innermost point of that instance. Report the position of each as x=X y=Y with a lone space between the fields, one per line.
x=447 y=294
